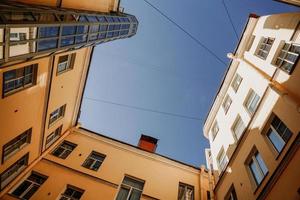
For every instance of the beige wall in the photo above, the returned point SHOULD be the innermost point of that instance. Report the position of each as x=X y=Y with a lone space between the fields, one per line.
x=90 y=5
x=281 y=99
x=161 y=175
x=66 y=89
x=23 y=110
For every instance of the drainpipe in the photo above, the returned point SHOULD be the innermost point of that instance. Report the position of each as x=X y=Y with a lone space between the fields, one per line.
x=284 y=93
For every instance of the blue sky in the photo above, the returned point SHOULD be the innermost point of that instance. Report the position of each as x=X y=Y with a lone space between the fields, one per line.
x=162 y=69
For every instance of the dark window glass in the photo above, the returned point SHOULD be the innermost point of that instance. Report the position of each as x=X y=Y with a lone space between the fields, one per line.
x=16 y=144
x=67 y=41
x=57 y=114
x=18 y=16
x=116 y=33
x=47 y=44
x=117 y=27
x=278 y=134
x=110 y=34
x=125 y=26
x=93 y=37
x=124 y=32
x=102 y=35
x=29 y=186
x=185 y=192
x=64 y=149
x=72 y=193
x=92 y=18
x=258 y=168
x=53 y=136
x=80 y=39
x=69 y=30
x=130 y=189
x=111 y=27
x=94 y=28
x=103 y=28
x=45 y=32
x=82 y=29
x=19 y=78
x=82 y=19
x=116 y=19
x=94 y=161
x=13 y=171
x=101 y=19
x=109 y=19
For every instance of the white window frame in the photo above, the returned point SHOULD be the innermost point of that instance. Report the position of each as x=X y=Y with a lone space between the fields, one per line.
x=251 y=98
x=237 y=80
x=238 y=122
x=226 y=103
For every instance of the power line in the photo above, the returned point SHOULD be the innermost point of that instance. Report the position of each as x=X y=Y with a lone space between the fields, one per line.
x=230 y=19
x=145 y=109
x=186 y=32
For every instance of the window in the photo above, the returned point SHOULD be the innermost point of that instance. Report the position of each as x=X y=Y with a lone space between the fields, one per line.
x=231 y=194
x=288 y=57
x=48 y=32
x=18 y=79
x=222 y=159
x=238 y=127
x=71 y=193
x=215 y=130
x=66 y=63
x=29 y=186
x=13 y=171
x=130 y=189
x=16 y=144
x=226 y=103
x=64 y=149
x=17 y=37
x=57 y=114
x=251 y=101
x=185 y=192
x=257 y=167
x=53 y=136
x=278 y=133
x=264 y=47
x=236 y=82
x=94 y=161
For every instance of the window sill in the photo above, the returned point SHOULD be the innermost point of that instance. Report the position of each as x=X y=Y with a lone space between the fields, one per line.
x=4 y=95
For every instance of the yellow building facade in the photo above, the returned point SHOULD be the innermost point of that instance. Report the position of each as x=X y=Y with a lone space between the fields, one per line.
x=98 y=167
x=253 y=125
x=45 y=54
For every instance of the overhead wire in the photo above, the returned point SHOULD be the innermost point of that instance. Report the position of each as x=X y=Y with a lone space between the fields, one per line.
x=230 y=19
x=185 y=31
x=144 y=109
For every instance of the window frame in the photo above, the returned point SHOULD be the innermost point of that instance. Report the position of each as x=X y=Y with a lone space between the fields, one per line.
x=74 y=188
x=23 y=86
x=214 y=130
x=226 y=103
x=186 y=186
x=234 y=81
x=269 y=126
x=235 y=125
x=60 y=114
x=231 y=194
x=69 y=64
x=32 y=183
x=283 y=59
x=26 y=134
x=222 y=164
x=251 y=96
x=16 y=172
x=94 y=160
x=129 y=187
x=57 y=131
x=252 y=157
x=73 y=146
x=264 y=41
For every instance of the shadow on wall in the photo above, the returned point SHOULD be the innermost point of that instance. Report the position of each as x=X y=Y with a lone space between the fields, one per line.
x=279 y=21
